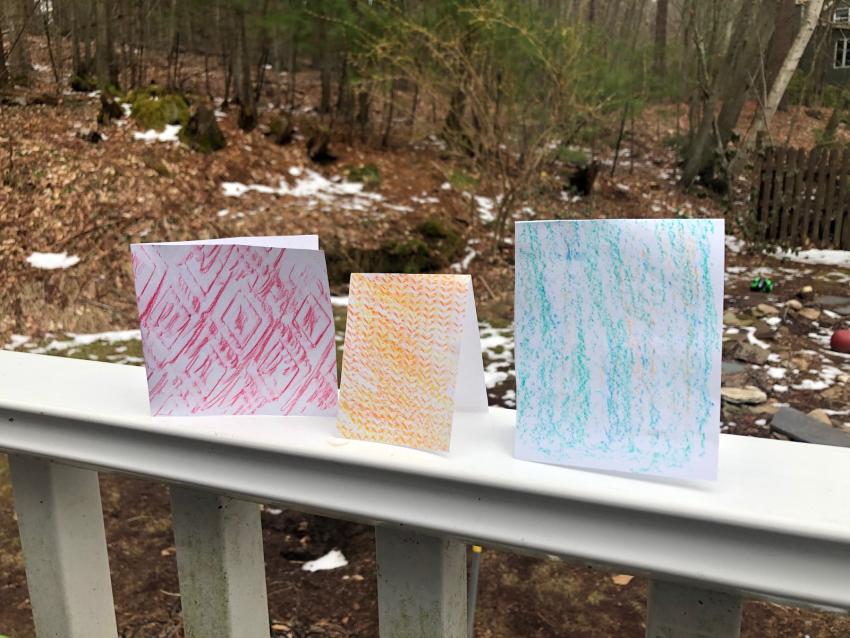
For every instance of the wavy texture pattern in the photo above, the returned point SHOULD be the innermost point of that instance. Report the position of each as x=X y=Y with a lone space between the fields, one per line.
x=618 y=344
x=399 y=367
x=235 y=329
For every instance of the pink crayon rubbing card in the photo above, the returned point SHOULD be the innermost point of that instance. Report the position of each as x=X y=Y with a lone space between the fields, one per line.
x=237 y=326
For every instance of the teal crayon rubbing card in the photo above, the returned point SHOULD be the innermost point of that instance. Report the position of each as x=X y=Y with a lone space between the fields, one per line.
x=618 y=344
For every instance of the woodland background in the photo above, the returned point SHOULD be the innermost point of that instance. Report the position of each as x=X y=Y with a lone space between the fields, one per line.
x=409 y=135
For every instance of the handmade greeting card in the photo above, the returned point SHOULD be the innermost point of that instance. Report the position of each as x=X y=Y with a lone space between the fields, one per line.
x=237 y=326
x=618 y=344
x=412 y=357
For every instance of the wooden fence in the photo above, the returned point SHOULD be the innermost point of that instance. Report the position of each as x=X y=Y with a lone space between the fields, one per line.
x=803 y=198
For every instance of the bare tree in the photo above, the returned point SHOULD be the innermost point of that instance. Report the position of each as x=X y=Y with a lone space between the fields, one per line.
x=660 y=48
x=5 y=78
x=730 y=87
x=811 y=15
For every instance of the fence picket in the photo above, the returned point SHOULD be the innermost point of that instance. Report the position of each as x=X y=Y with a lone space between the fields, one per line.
x=220 y=565
x=682 y=611
x=421 y=585
x=803 y=197
x=62 y=535
x=840 y=213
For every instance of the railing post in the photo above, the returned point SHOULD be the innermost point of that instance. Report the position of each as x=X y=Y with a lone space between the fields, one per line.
x=220 y=564
x=64 y=544
x=681 y=611
x=421 y=585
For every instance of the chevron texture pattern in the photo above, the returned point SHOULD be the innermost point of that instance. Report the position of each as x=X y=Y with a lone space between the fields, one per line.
x=402 y=344
x=232 y=329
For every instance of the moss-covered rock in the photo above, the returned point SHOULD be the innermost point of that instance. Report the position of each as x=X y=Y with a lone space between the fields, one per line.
x=83 y=83
x=153 y=108
x=202 y=132
x=110 y=110
x=281 y=130
x=433 y=245
x=369 y=174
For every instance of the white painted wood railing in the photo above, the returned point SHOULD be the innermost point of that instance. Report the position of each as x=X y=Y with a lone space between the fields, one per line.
x=776 y=524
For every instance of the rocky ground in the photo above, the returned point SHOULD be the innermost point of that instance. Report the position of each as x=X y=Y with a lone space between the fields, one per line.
x=75 y=205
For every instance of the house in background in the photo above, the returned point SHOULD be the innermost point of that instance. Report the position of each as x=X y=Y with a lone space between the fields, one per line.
x=834 y=44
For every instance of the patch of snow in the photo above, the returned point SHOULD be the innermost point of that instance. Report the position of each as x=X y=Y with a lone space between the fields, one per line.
x=774 y=358
x=340 y=301
x=811 y=384
x=497 y=345
x=733 y=244
x=445 y=186
x=776 y=373
x=424 y=199
x=487 y=207
x=779 y=389
x=751 y=337
x=463 y=264
x=334 y=559
x=773 y=321
x=169 y=134
x=824 y=257
x=52 y=261
x=16 y=341
x=223 y=212
x=77 y=340
x=399 y=207
x=313 y=186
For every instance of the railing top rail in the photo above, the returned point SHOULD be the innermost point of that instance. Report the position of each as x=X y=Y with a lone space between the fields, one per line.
x=776 y=522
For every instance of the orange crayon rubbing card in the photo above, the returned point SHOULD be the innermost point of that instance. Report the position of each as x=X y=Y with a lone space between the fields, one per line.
x=411 y=357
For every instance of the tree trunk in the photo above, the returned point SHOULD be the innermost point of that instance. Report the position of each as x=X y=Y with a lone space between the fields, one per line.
x=786 y=29
x=76 y=63
x=20 y=65
x=730 y=88
x=247 y=103
x=808 y=24
x=660 y=45
x=103 y=48
x=324 y=69
x=5 y=78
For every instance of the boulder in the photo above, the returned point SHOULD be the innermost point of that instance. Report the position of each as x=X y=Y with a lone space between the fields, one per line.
x=812 y=314
x=109 y=110
x=765 y=310
x=806 y=293
x=821 y=416
x=743 y=351
x=793 y=304
x=319 y=146
x=731 y=319
x=89 y=135
x=202 y=132
x=747 y=395
x=281 y=131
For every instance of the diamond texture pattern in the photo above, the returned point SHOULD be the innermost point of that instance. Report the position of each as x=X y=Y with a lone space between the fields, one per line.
x=234 y=329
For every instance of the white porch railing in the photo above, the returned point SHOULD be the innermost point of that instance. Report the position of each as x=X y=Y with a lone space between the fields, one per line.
x=776 y=524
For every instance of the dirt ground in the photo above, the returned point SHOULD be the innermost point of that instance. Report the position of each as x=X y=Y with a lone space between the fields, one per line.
x=60 y=193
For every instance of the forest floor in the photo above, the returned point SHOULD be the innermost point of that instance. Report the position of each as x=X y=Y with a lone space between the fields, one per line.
x=62 y=194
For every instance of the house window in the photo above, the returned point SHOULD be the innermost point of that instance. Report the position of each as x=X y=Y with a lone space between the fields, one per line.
x=842 y=14
x=842 y=53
